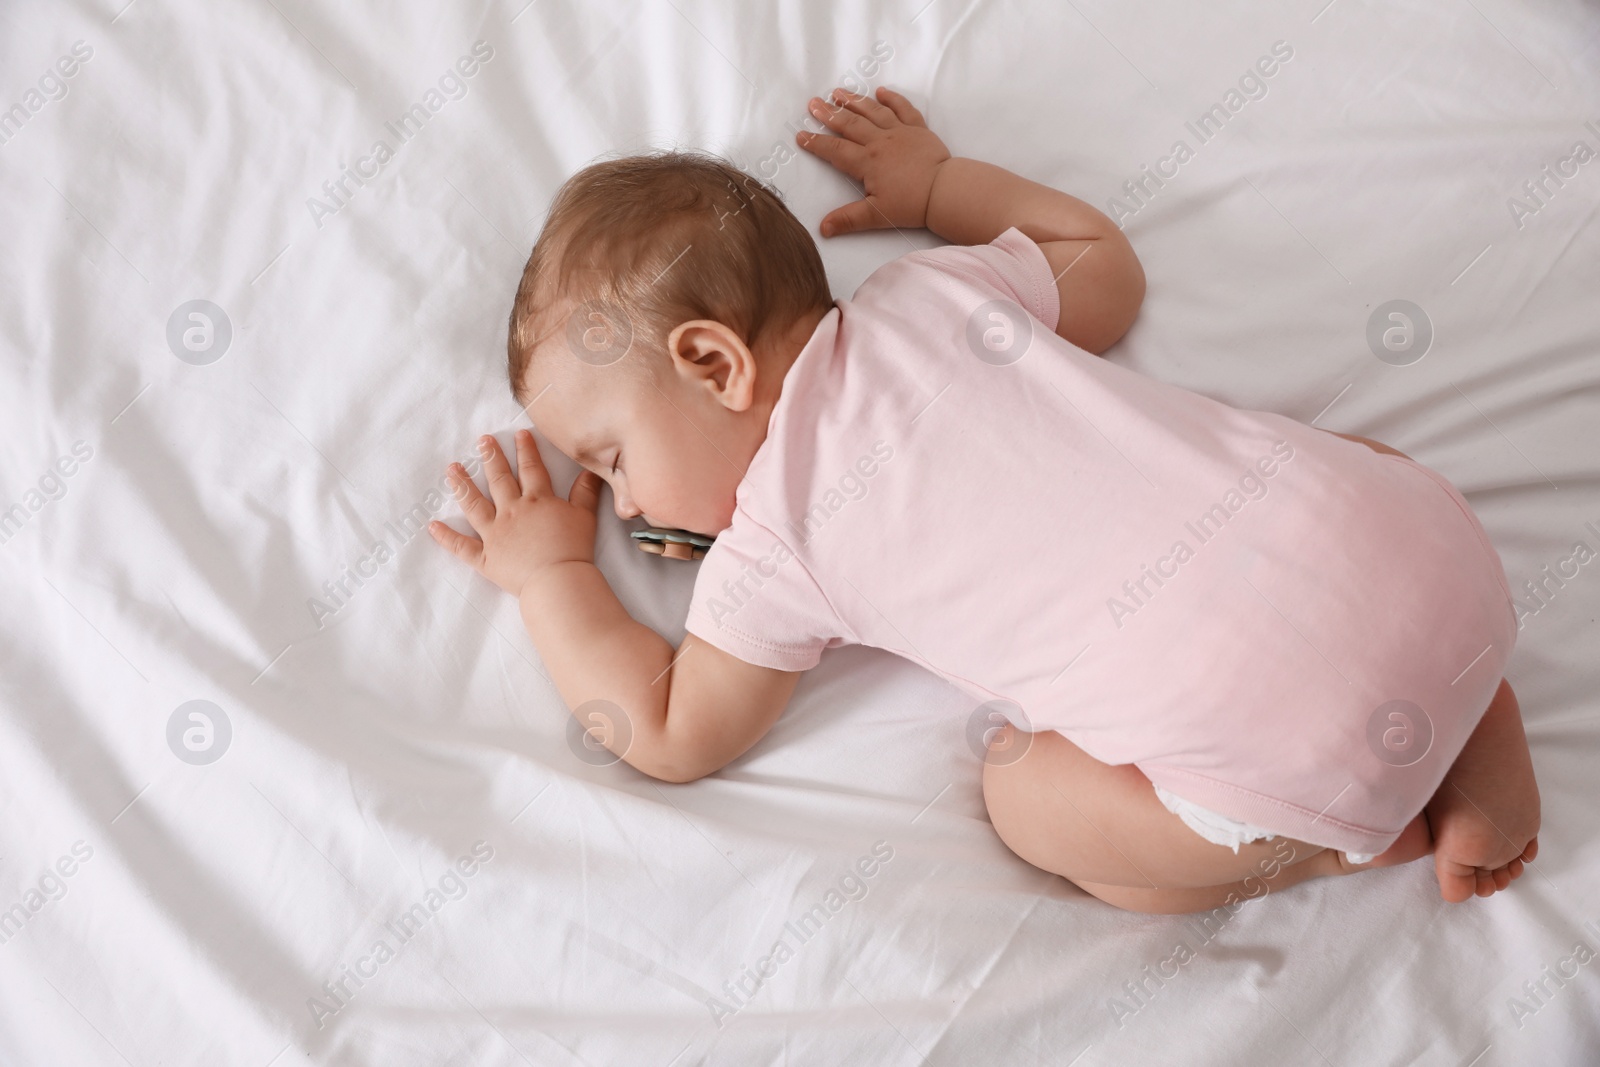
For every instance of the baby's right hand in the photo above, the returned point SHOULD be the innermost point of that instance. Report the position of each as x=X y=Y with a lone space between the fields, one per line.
x=888 y=148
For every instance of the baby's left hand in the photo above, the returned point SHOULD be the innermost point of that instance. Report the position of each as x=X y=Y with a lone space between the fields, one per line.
x=527 y=526
x=884 y=144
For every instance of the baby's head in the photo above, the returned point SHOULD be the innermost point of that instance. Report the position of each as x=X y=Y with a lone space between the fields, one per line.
x=662 y=306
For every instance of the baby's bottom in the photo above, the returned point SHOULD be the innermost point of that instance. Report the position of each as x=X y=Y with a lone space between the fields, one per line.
x=1103 y=828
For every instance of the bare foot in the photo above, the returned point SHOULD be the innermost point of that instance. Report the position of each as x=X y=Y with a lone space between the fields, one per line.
x=1485 y=815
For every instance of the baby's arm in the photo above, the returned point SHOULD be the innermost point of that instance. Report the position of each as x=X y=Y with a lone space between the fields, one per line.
x=683 y=714
x=1098 y=277
x=911 y=180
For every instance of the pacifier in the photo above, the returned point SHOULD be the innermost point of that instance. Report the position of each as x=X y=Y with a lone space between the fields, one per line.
x=673 y=544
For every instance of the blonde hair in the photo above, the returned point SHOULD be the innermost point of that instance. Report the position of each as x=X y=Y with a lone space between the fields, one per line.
x=667 y=237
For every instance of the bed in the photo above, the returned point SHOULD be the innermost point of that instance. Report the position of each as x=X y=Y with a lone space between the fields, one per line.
x=283 y=784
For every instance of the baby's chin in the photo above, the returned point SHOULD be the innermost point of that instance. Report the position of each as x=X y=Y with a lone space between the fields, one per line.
x=705 y=522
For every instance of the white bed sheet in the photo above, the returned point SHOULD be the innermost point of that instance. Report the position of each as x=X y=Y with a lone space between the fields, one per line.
x=376 y=745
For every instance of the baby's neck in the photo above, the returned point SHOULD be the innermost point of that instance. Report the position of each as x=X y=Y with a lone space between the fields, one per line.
x=778 y=356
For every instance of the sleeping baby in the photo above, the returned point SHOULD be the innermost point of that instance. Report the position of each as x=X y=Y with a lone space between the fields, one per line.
x=1214 y=652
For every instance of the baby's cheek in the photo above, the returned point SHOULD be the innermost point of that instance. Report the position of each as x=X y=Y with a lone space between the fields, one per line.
x=705 y=501
x=724 y=498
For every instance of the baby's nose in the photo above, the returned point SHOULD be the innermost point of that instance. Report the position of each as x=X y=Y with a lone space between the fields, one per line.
x=626 y=509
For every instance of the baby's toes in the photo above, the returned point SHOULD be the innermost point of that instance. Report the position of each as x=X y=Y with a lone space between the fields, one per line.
x=1457 y=881
x=1508 y=874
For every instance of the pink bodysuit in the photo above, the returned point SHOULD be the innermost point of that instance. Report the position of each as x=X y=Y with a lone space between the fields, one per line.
x=1283 y=626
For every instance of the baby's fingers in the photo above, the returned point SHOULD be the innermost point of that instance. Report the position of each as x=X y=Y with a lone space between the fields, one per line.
x=585 y=491
x=901 y=107
x=502 y=483
x=861 y=215
x=846 y=156
x=535 y=478
x=841 y=120
x=468 y=550
x=868 y=108
x=479 y=512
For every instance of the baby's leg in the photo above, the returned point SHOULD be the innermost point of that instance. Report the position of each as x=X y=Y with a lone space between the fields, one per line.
x=1320 y=864
x=1485 y=815
x=1103 y=828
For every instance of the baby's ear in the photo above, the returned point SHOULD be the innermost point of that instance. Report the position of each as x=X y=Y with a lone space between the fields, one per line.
x=711 y=355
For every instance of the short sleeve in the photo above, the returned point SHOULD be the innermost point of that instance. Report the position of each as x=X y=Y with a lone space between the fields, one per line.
x=755 y=599
x=1011 y=266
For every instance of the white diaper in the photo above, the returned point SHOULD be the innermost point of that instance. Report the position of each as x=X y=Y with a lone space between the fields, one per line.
x=1221 y=830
